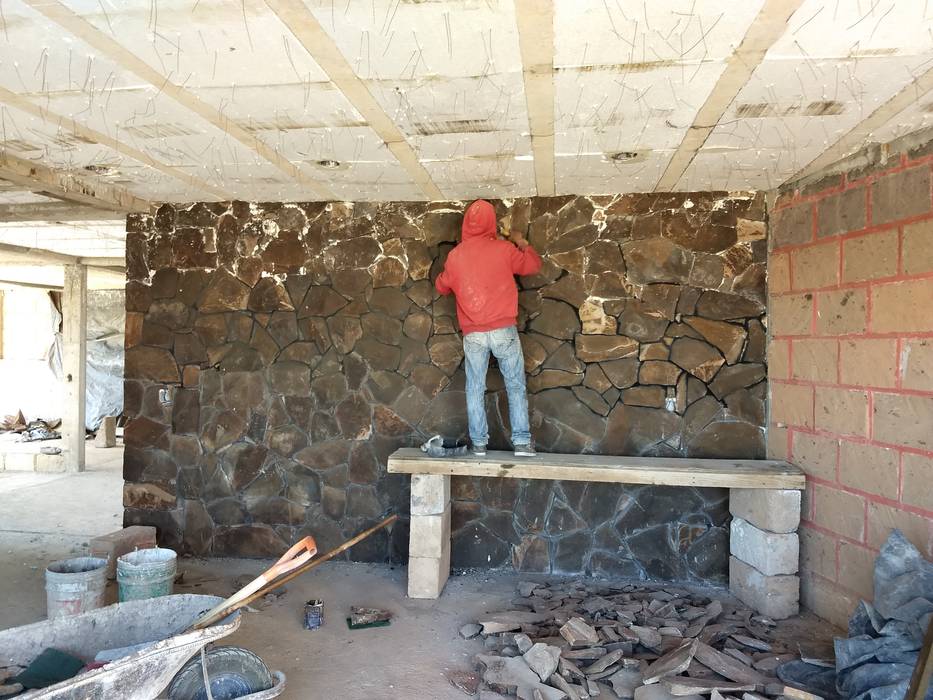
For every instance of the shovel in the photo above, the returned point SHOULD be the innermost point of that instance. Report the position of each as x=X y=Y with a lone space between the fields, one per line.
x=299 y=554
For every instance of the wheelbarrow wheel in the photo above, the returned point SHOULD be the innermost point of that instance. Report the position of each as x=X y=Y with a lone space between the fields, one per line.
x=234 y=672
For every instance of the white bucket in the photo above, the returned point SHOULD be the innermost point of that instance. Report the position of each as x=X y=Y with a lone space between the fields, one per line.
x=146 y=573
x=74 y=586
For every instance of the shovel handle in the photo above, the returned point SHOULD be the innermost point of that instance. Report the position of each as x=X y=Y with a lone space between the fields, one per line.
x=298 y=554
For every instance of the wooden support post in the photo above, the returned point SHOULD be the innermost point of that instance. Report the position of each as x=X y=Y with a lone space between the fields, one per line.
x=74 y=365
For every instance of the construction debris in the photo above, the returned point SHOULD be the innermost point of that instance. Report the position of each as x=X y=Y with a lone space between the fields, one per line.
x=876 y=661
x=579 y=641
x=361 y=618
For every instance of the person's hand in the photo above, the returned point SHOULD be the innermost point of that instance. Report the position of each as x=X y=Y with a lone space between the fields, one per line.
x=519 y=240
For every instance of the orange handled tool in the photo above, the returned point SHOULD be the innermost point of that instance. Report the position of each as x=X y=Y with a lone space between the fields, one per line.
x=299 y=554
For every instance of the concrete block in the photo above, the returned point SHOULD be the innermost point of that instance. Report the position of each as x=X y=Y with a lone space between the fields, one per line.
x=115 y=544
x=20 y=461
x=50 y=463
x=430 y=535
x=777 y=597
x=427 y=575
x=430 y=494
x=106 y=433
x=775 y=510
x=769 y=552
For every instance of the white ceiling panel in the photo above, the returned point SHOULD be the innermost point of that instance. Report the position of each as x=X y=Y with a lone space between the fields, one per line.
x=629 y=79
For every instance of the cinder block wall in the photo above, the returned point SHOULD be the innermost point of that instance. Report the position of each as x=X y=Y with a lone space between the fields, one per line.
x=850 y=289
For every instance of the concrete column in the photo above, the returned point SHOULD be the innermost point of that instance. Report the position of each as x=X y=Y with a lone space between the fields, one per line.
x=74 y=365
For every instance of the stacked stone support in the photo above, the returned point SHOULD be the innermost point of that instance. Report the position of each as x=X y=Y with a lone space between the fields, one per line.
x=765 y=550
x=429 y=548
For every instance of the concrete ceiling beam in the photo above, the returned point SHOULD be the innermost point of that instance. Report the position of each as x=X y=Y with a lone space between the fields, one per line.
x=25 y=105
x=861 y=133
x=535 y=21
x=768 y=26
x=70 y=21
x=295 y=15
x=43 y=180
x=55 y=211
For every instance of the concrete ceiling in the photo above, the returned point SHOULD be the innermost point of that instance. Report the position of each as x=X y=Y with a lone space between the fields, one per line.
x=118 y=104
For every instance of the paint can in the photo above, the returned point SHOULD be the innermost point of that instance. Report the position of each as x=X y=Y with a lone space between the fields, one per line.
x=314 y=614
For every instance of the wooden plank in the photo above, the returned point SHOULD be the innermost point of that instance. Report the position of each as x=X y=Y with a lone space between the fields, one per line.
x=94 y=192
x=659 y=471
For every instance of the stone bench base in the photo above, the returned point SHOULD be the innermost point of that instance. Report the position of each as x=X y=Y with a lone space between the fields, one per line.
x=763 y=545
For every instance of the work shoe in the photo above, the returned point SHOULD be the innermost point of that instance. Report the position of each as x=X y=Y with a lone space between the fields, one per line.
x=524 y=450
x=478 y=449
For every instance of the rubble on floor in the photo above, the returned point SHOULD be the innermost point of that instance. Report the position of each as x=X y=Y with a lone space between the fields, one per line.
x=876 y=661
x=580 y=640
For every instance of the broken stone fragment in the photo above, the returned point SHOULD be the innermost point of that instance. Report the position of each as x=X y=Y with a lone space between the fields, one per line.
x=578 y=633
x=648 y=637
x=681 y=686
x=471 y=630
x=603 y=663
x=466 y=681
x=526 y=588
x=542 y=659
x=671 y=663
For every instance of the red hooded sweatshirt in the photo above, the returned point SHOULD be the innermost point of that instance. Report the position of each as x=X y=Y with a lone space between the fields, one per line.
x=481 y=271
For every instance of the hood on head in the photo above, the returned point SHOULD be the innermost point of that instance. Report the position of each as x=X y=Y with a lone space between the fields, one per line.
x=479 y=220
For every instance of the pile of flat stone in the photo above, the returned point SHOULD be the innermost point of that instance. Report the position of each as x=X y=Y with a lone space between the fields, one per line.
x=580 y=640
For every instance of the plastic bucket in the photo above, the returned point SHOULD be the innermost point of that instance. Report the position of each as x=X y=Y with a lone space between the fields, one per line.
x=74 y=586
x=146 y=573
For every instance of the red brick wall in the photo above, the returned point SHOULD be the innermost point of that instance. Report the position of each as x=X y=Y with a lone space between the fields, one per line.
x=851 y=369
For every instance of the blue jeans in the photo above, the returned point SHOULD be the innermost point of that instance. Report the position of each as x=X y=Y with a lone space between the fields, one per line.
x=504 y=344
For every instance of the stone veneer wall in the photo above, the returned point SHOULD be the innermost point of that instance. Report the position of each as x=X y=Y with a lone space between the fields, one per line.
x=851 y=285
x=303 y=343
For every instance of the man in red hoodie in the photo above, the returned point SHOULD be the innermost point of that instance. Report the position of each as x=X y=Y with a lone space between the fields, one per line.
x=480 y=272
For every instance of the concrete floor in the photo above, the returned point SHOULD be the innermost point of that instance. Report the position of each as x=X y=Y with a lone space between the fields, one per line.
x=44 y=517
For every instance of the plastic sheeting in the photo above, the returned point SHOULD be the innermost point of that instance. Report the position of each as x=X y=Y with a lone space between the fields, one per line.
x=106 y=319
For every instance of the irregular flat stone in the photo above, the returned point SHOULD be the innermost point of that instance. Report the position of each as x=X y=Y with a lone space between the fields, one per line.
x=648 y=637
x=471 y=630
x=526 y=588
x=523 y=643
x=751 y=642
x=598 y=348
x=510 y=621
x=682 y=686
x=672 y=663
x=578 y=633
x=625 y=681
x=560 y=683
x=542 y=659
x=726 y=666
x=701 y=359
x=602 y=663
x=728 y=337
x=657 y=691
x=466 y=681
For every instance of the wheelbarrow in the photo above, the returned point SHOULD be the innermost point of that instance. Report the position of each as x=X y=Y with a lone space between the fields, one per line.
x=141 y=675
